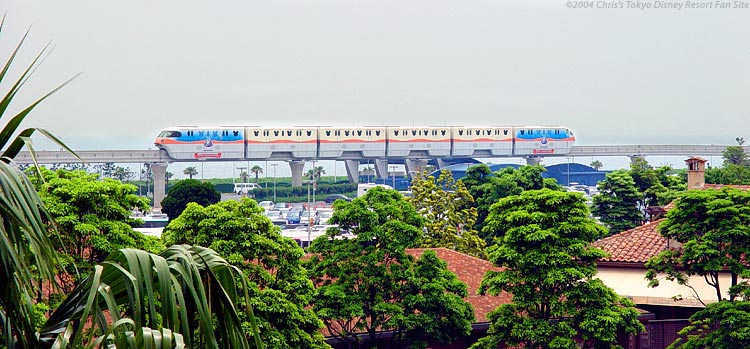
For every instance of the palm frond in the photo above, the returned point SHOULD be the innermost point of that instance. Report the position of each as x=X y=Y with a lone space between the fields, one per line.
x=189 y=290
x=23 y=243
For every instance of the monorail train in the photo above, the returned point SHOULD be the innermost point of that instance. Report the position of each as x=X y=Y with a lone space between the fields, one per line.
x=317 y=142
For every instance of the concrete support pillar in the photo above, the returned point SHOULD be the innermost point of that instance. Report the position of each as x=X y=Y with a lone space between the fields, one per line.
x=533 y=160
x=414 y=167
x=352 y=170
x=381 y=168
x=441 y=164
x=297 y=167
x=159 y=170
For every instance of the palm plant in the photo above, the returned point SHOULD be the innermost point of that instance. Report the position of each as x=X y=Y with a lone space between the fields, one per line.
x=183 y=296
x=256 y=170
x=190 y=171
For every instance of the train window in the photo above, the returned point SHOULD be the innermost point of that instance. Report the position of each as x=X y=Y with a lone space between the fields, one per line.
x=265 y=133
x=289 y=133
x=413 y=132
x=170 y=134
x=369 y=133
x=256 y=133
x=442 y=132
x=395 y=132
x=328 y=132
x=359 y=132
x=477 y=132
x=460 y=132
x=346 y=133
x=377 y=133
x=309 y=133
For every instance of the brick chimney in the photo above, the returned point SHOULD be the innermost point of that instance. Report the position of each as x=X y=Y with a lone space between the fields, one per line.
x=696 y=172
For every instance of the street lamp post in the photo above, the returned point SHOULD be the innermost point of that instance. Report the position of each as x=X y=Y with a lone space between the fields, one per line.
x=244 y=190
x=274 y=181
x=309 y=216
x=314 y=178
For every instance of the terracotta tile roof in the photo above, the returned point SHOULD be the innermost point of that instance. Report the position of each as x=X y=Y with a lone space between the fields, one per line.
x=636 y=245
x=470 y=270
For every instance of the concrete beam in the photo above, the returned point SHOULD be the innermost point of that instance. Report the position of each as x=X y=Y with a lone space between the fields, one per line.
x=352 y=170
x=533 y=160
x=159 y=170
x=381 y=168
x=296 y=167
x=414 y=167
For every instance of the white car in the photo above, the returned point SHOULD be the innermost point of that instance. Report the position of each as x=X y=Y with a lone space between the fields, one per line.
x=274 y=214
x=266 y=205
x=324 y=216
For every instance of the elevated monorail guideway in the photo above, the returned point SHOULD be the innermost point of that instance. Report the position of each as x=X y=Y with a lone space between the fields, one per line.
x=159 y=158
x=648 y=150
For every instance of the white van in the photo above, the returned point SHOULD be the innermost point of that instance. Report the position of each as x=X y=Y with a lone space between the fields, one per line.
x=362 y=188
x=244 y=188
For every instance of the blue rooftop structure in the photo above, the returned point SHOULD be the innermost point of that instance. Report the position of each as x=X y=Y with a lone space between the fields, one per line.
x=563 y=173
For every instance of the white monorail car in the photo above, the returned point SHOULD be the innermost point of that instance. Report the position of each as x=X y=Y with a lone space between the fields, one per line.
x=295 y=142
x=192 y=142
x=415 y=141
x=309 y=142
x=367 y=141
x=482 y=141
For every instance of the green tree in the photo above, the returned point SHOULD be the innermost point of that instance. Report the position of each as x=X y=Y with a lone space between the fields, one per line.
x=735 y=155
x=120 y=298
x=280 y=291
x=256 y=170
x=190 y=171
x=543 y=245
x=487 y=187
x=596 y=164
x=446 y=205
x=720 y=325
x=106 y=170
x=736 y=167
x=123 y=174
x=617 y=202
x=368 y=283
x=187 y=191
x=656 y=186
x=316 y=173
x=711 y=227
x=92 y=215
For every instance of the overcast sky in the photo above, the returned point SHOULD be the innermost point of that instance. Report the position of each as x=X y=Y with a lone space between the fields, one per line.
x=615 y=76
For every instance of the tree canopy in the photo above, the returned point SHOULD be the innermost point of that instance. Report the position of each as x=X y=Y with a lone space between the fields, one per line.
x=711 y=229
x=187 y=191
x=543 y=243
x=446 y=205
x=368 y=283
x=280 y=291
x=617 y=202
x=92 y=215
x=487 y=187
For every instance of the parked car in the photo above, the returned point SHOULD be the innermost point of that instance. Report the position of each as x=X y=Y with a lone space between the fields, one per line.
x=273 y=214
x=333 y=197
x=244 y=188
x=324 y=216
x=266 y=205
x=280 y=205
x=293 y=216
x=304 y=217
